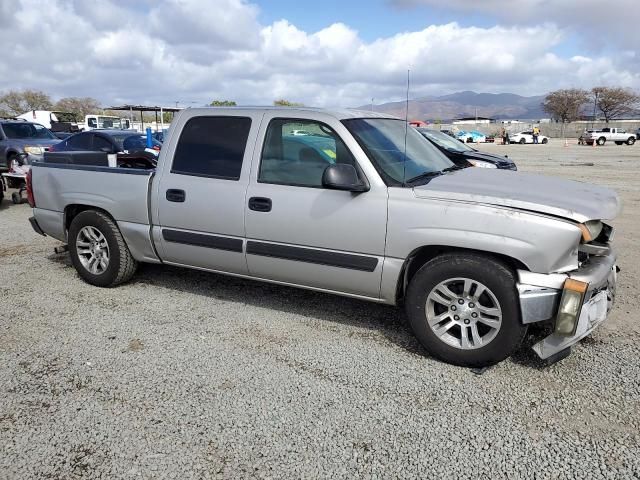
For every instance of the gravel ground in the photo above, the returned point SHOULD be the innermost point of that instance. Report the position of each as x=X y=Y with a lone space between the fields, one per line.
x=183 y=374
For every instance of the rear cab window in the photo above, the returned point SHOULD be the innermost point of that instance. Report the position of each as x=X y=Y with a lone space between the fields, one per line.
x=212 y=146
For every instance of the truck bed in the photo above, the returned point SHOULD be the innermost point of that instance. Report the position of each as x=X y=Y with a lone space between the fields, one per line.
x=123 y=192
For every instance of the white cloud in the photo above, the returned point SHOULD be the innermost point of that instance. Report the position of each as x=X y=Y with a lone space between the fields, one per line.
x=183 y=50
x=598 y=23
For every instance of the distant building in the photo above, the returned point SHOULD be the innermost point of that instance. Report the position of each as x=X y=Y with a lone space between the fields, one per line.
x=473 y=121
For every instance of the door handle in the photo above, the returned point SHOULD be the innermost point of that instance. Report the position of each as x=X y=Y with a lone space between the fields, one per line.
x=175 y=195
x=260 y=204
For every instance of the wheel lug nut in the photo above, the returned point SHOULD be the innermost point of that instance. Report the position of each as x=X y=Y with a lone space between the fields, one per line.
x=456 y=317
x=467 y=321
x=454 y=308
x=474 y=315
x=461 y=301
x=472 y=305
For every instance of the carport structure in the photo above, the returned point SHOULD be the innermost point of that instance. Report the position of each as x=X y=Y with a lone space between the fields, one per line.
x=147 y=108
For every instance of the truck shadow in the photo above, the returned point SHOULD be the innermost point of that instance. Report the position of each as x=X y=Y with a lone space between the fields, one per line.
x=380 y=323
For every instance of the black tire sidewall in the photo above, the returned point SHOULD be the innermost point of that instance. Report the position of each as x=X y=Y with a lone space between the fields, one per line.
x=92 y=218
x=495 y=276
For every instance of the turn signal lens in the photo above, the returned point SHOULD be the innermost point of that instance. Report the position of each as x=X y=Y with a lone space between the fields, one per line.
x=570 y=307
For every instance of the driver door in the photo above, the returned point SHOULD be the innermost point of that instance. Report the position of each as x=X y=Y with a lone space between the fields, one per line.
x=301 y=233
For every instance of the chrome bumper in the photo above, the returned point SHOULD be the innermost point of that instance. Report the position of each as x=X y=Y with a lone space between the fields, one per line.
x=540 y=295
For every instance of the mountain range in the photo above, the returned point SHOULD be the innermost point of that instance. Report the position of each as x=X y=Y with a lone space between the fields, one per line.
x=466 y=104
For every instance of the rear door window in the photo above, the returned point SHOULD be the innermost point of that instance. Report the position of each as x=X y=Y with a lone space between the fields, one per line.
x=80 y=142
x=212 y=147
x=101 y=144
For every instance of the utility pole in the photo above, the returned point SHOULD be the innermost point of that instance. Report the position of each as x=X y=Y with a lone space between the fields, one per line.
x=372 y=99
x=595 y=104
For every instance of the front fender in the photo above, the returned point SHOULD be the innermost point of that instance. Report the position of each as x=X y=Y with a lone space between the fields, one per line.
x=543 y=244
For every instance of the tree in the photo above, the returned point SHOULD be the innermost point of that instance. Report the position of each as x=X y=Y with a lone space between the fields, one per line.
x=614 y=102
x=16 y=102
x=565 y=105
x=222 y=103
x=79 y=106
x=286 y=103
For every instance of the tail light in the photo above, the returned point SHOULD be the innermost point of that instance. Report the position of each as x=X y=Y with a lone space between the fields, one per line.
x=30 y=198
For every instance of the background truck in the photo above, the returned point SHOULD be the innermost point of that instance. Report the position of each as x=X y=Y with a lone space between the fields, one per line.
x=60 y=123
x=604 y=135
x=361 y=206
x=95 y=121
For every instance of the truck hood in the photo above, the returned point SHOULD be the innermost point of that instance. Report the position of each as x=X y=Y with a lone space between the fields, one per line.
x=525 y=191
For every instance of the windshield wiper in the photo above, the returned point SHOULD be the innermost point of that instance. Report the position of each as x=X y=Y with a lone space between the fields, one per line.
x=429 y=175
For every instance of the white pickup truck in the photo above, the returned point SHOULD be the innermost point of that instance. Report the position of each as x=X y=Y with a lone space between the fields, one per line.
x=362 y=206
x=604 y=135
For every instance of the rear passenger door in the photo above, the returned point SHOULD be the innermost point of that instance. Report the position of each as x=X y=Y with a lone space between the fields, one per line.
x=200 y=196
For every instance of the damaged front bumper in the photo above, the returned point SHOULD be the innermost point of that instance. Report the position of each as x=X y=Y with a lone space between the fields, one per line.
x=540 y=297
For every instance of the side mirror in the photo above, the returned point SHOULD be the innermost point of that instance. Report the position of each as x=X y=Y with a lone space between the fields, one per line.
x=341 y=176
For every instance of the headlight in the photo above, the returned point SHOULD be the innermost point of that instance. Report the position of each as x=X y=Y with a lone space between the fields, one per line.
x=482 y=164
x=34 y=150
x=590 y=230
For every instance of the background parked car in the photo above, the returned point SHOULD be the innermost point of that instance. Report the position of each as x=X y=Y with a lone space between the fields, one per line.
x=121 y=142
x=462 y=154
x=471 y=136
x=20 y=136
x=526 y=137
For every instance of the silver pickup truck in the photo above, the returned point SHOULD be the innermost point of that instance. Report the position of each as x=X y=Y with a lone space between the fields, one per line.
x=357 y=205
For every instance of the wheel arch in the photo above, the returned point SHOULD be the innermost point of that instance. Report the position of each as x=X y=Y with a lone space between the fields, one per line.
x=71 y=211
x=421 y=255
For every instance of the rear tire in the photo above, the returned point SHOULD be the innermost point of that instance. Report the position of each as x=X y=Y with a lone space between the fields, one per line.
x=522 y=141
x=98 y=251
x=487 y=311
x=16 y=198
x=545 y=141
x=602 y=141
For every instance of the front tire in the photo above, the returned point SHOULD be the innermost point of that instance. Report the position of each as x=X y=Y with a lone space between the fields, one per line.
x=602 y=141
x=545 y=141
x=522 y=141
x=98 y=251
x=464 y=310
x=631 y=140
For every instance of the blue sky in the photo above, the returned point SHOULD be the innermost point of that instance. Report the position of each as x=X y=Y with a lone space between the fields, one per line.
x=372 y=19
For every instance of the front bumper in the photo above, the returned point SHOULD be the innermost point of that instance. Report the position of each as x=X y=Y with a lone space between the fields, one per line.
x=540 y=298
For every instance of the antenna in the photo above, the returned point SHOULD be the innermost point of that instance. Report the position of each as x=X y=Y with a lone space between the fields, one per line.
x=406 y=131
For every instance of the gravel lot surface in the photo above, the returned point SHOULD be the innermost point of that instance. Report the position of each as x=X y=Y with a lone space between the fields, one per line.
x=183 y=374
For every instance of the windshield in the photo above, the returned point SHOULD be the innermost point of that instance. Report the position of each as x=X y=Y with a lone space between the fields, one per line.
x=383 y=140
x=445 y=141
x=26 y=131
x=109 y=122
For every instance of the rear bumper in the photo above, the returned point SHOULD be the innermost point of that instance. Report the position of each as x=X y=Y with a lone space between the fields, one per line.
x=540 y=298
x=36 y=227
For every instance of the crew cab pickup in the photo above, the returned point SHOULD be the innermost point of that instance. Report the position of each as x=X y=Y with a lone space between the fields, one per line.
x=360 y=205
x=617 y=135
